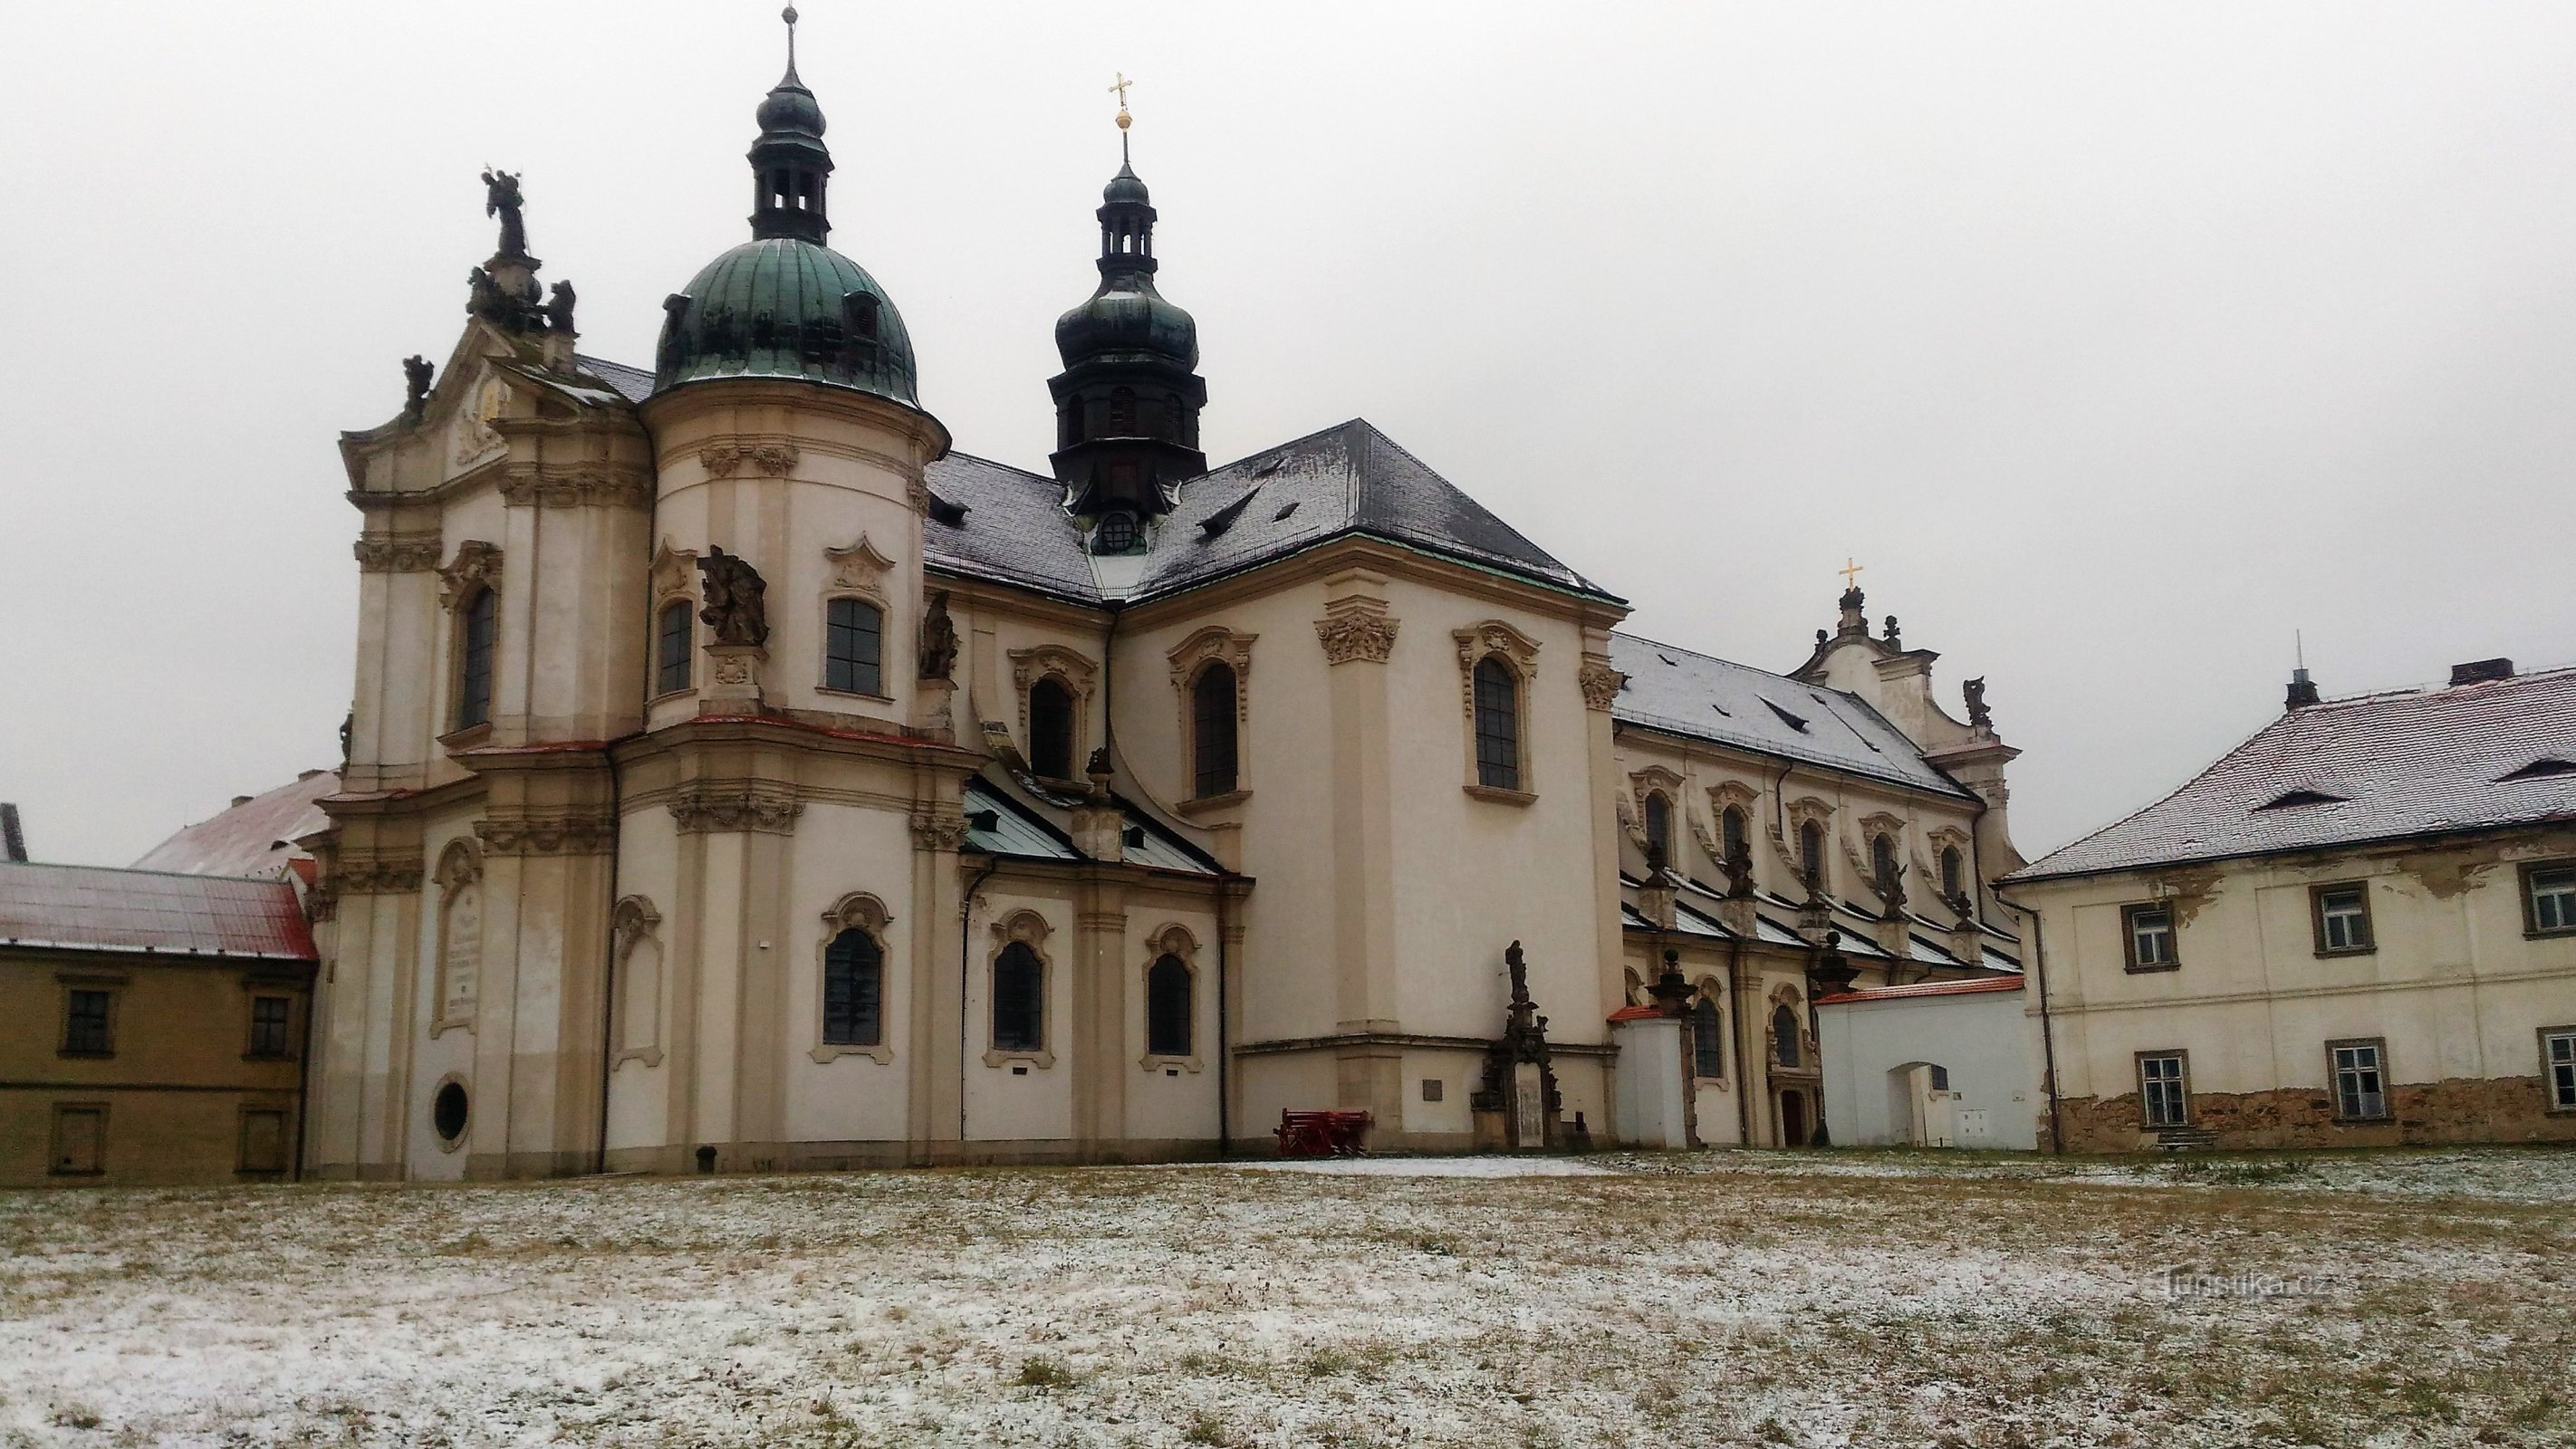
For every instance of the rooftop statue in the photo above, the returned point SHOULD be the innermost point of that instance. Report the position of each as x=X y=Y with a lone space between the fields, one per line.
x=417 y=373
x=559 y=309
x=501 y=198
x=1979 y=717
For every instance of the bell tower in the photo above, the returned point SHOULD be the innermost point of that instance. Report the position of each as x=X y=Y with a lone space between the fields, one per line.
x=1127 y=403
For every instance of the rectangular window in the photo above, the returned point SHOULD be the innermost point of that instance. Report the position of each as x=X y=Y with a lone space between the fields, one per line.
x=85 y=1020
x=852 y=646
x=2549 y=898
x=2150 y=931
x=268 y=1025
x=2161 y=1090
x=2558 y=1061
x=1498 y=725
x=671 y=646
x=2342 y=918
x=2360 y=1079
x=80 y=1140
x=263 y=1142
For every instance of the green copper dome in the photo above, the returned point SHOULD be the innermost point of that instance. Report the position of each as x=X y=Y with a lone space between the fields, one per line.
x=780 y=307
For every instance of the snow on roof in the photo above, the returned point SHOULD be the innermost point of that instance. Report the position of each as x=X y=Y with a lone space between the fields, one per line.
x=253 y=838
x=101 y=908
x=1705 y=698
x=2377 y=767
x=1923 y=988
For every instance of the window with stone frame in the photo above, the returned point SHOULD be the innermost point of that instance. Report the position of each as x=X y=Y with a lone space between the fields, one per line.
x=2342 y=915
x=1811 y=854
x=1954 y=873
x=853 y=990
x=1785 y=1047
x=478 y=626
x=2360 y=1073
x=2148 y=932
x=268 y=1021
x=2558 y=1065
x=1659 y=827
x=1050 y=729
x=2549 y=897
x=1735 y=833
x=1168 y=1007
x=88 y=1018
x=1498 y=724
x=1708 y=1039
x=2164 y=1089
x=674 y=630
x=1213 y=706
x=1883 y=871
x=1019 y=999
x=853 y=647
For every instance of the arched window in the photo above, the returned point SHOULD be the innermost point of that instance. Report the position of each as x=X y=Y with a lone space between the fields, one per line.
x=1051 y=729
x=854 y=990
x=1735 y=833
x=1167 y=1007
x=474 y=666
x=1212 y=714
x=1953 y=873
x=1019 y=1000
x=1811 y=853
x=1122 y=412
x=1659 y=828
x=1882 y=865
x=671 y=638
x=1708 y=1040
x=853 y=647
x=1784 y=1036
x=1498 y=724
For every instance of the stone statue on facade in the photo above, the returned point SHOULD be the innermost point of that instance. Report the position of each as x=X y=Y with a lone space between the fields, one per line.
x=501 y=198
x=416 y=379
x=1979 y=717
x=938 y=639
x=736 y=607
x=559 y=309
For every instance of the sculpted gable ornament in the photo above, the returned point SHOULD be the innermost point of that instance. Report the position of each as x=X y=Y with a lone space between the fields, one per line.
x=770 y=460
x=1219 y=643
x=477 y=565
x=1356 y=629
x=673 y=570
x=1492 y=637
x=859 y=569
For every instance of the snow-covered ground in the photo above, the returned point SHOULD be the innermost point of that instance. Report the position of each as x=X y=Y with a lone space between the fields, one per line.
x=1715 y=1298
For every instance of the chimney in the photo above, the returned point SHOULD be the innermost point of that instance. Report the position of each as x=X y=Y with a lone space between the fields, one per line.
x=13 y=841
x=2303 y=690
x=241 y=800
x=2482 y=671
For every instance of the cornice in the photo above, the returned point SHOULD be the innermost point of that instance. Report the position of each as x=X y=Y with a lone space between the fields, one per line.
x=1351 y=550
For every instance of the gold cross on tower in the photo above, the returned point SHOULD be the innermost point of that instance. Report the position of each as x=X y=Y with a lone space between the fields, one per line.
x=1121 y=90
x=1850 y=572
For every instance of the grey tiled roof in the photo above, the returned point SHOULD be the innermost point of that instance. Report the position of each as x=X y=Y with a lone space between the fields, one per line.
x=2415 y=762
x=1346 y=479
x=632 y=383
x=1015 y=529
x=1683 y=693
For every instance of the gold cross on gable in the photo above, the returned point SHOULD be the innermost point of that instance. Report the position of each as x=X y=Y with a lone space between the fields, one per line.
x=1850 y=572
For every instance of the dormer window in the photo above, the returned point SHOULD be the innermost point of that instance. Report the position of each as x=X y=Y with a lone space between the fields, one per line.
x=2541 y=769
x=2292 y=799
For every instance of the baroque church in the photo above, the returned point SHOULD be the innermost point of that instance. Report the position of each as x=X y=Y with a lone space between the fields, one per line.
x=742 y=777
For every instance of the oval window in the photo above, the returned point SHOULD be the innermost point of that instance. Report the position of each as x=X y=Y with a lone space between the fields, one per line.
x=447 y=1110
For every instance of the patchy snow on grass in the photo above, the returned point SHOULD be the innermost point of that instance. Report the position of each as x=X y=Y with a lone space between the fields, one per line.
x=1433 y=1166
x=1710 y=1298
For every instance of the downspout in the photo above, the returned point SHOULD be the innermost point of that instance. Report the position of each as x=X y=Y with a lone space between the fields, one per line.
x=2038 y=965
x=304 y=1065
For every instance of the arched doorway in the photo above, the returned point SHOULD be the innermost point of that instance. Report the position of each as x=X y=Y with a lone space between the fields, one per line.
x=1793 y=1119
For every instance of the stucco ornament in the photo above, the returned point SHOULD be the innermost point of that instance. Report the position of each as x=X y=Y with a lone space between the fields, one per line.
x=736 y=605
x=672 y=570
x=399 y=554
x=705 y=808
x=1601 y=685
x=859 y=569
x=932 y=830
x=1356 y=630
x=564 y=834
x=1214 y=642
x=477 y=565
x=770 y=460
x=1492 y=637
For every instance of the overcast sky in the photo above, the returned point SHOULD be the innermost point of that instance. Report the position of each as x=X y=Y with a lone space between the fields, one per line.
x=2116 y=343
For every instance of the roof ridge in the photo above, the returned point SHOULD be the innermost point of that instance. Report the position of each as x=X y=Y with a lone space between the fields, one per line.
x=260 y=880
x=2205 y=771
x=998 y=463
x=1278 y=447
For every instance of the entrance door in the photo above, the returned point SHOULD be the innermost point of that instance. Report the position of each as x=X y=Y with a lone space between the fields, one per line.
x=1793 y=1119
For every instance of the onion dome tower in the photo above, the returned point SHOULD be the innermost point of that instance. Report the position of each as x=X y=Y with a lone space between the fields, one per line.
x=1127 y=403
x=784 y=304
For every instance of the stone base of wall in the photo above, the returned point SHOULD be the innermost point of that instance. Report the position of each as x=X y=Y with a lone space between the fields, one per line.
x=2457 y=1110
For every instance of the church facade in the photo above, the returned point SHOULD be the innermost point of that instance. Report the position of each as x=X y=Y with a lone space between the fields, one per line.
x=740 y=777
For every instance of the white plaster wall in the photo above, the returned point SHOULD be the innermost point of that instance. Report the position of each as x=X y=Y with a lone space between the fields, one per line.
x=1459 y=1074
x=639 y=1094
x=451 y=1051
x=1275 y=1082
x=1170 y=1102
x=842 y=849
x=1003 y=1105
x=1981 y=1038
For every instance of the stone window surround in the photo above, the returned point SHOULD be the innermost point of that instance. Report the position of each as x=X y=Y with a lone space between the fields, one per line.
x=863 y=912
x=463 y=1133
x=1798 y=813
x=2548 y=1069
x=1657 y=780
x=2531 y=926
x=1075 y=672
x=1497 y=638
x=631 y=924
x=476 y=572
x=1176 y=941
x=823 y=644
x=2317 y=918
x=1026 y=926
x=460 y=864
x=1214 y=644
x=2138 y=1074
x=1712 y=991
x=54 y=1141
x=113 y=984
x=672 y=570
x=2129 y=937
x=2387 y=1081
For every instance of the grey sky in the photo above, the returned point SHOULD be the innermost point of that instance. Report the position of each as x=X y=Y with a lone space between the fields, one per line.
x=2116 y=343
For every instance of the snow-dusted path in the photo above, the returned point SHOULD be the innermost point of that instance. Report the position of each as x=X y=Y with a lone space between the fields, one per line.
x=1750 y=1299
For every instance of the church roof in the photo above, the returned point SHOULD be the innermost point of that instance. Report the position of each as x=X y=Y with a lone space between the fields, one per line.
x=99 y=908
x=1012 y=529
x=632 y=383
x=2476 y=756
x=1704 y=698
x=1350 y=479
x=256 y=837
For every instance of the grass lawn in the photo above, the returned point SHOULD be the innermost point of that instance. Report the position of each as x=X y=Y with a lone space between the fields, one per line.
x=1860 y=1298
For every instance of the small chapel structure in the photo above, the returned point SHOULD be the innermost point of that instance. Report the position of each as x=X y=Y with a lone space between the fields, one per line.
x=742 y=777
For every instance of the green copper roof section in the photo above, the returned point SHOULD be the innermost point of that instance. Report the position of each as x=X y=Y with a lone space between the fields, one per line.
x=783 y=307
